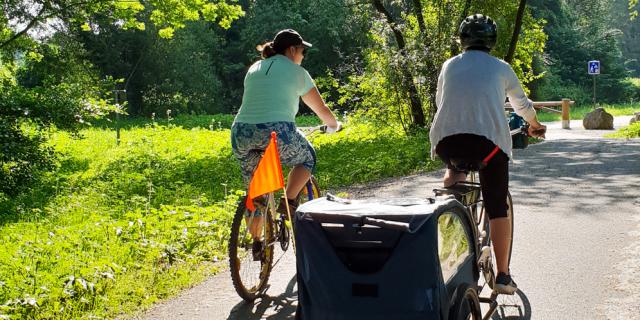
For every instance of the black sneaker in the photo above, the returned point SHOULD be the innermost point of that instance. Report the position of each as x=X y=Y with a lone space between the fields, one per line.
x=256 y=250
x=282 y=208
x=504 y=284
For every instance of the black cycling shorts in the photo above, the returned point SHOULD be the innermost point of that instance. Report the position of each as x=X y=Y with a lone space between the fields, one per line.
x=494 y=178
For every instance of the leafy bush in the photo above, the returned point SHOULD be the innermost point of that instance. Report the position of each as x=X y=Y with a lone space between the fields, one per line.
x=50 y=87
x=632 y=86
x=552 y=88
x=632 y=131
x=26 y=115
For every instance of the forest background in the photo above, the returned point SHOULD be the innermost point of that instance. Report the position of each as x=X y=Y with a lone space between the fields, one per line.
x=90 y=228
x=64 y=64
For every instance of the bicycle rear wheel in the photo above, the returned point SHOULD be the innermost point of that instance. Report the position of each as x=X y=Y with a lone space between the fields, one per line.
x=310 y=191
x=249 y=276
x=466 y=304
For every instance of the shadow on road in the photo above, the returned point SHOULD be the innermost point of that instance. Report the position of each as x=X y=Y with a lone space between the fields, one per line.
x=284 y=306
x=601 y=166
x=513 y=307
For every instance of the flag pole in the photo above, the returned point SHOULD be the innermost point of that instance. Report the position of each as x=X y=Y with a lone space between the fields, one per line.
x=286 y=204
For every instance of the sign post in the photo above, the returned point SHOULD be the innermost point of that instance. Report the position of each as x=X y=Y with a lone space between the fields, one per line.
x=116 y=92
x=594 y=70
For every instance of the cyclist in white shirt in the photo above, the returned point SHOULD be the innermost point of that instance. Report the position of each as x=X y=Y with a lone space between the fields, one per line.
x=471 y=122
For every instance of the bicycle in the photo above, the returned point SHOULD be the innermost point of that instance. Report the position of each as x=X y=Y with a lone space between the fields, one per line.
x=250 y=277
x=469 y=194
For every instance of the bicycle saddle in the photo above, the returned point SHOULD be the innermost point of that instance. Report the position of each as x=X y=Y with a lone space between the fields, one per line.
x=467 y=165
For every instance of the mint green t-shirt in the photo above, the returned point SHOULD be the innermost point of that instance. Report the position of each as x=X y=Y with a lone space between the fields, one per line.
x=272 y=91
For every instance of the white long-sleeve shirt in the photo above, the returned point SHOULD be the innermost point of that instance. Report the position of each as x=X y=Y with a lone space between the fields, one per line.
x=470 y=97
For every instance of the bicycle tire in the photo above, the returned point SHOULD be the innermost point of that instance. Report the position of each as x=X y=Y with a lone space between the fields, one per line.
x=466 y=304
x=309 y=192
x=252 y=282
x=487 y=241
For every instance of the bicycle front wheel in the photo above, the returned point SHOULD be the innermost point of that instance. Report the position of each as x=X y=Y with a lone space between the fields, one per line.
x=250 y=271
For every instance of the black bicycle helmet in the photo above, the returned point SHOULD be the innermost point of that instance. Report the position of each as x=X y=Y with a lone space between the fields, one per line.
x=478 y=31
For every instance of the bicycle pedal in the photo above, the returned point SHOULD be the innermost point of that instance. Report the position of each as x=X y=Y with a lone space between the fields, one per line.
x=485 y=254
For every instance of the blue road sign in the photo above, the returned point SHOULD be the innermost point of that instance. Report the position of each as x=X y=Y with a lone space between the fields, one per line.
x=594 y=67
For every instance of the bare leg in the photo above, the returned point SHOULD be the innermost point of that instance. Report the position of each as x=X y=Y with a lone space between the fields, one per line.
x=451 y=177
x=501 y=237
x=298 y=177
x=255 y=226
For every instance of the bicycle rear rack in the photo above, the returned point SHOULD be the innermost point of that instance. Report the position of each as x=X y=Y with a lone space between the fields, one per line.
x=467 y=193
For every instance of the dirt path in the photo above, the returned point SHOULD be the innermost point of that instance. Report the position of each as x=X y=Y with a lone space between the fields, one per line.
x=576 y=244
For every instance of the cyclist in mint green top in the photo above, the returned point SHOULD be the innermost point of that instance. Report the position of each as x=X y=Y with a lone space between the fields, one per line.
x=273 y=87
x=272 y=90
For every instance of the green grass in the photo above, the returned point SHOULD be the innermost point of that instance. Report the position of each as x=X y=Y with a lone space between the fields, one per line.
x=632 y=131
x=578 y=112
x=117 y=228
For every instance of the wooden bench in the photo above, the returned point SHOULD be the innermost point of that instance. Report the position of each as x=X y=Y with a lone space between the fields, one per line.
x=545 y=105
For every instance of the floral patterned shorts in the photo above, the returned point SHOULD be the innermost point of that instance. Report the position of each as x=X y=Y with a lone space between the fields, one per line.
x=249 y=141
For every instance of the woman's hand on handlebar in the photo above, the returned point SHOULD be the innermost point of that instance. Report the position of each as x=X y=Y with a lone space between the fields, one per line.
x=330 y=130
x=537 y=130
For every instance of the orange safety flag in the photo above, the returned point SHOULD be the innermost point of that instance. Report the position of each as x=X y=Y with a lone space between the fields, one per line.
x=268 y=175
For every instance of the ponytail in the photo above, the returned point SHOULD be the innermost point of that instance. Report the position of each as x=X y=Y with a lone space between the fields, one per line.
x=266 y=50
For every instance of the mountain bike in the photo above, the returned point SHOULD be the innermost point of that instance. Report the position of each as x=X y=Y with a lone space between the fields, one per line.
x=250 y=274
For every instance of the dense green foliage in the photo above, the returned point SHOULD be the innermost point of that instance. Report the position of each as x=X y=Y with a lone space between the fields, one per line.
x=47 y=79
x=629 y=25
x=201 y=68
x=51 y=90
x=165 y=17
x=580 y=31
x=115 y=228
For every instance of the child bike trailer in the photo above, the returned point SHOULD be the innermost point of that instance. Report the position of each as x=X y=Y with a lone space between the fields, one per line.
x=385 y=259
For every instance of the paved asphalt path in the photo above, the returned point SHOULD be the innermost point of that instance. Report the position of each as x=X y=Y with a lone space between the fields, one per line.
x=576 y=243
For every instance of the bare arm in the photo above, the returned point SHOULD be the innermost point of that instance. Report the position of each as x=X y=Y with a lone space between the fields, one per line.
x=314 y=100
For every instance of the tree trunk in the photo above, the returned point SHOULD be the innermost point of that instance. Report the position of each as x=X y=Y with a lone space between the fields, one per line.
x=417 y=6
x=416 y=105
x=516 y=32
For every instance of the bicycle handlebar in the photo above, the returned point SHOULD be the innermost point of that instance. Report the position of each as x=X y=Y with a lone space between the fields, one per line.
x=525 y=129
x=322 y=128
